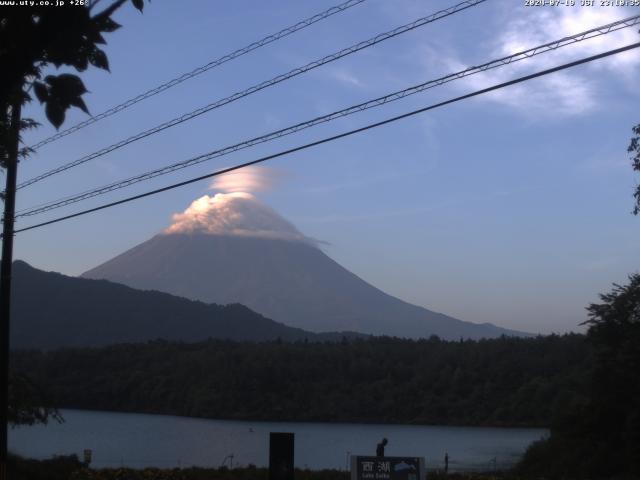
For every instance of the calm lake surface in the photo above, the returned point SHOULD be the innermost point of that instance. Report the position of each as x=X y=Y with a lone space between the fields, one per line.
x=138 y=441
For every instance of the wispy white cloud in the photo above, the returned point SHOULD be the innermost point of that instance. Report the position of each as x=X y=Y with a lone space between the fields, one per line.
x=356 y=183
x=106 y=166
x=606 y=163
x=445 y=203
x=346 y=77
x=272 y=121
x=570 y=92
x=599 y=264
x=378 y=215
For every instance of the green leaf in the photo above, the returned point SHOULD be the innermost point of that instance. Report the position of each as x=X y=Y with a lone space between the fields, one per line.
x=41 y=91
x=99 y=59
x=55 y=113
x=28 y=124
x=79 y=102
x=93 y=34
x=81 y=62
x=65 y=85
x=65 y=91
x=105 y=24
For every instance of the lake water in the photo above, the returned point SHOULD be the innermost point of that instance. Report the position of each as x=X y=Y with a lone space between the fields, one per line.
x=139 y=441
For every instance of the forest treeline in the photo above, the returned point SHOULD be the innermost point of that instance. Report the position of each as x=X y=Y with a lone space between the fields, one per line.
x=498 y=382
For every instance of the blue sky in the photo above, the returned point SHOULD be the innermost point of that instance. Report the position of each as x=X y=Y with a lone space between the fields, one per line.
x=512 y=208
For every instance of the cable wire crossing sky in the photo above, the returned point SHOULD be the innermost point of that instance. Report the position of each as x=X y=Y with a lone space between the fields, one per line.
x=510 y=207
x=200 y=70
x=258 y=87
x=601 y=30
x=336 y=137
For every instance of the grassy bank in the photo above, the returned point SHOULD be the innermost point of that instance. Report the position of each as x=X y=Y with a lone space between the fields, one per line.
x=70 y=468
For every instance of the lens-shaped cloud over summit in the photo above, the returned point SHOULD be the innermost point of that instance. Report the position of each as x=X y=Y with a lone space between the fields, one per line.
x=238 y=214
x=247 y=179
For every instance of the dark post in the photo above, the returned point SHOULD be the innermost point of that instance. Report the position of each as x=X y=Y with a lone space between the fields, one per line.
x=5 y=278
x=281 y=453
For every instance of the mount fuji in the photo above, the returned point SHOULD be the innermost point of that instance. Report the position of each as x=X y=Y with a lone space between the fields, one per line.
x=231 y=248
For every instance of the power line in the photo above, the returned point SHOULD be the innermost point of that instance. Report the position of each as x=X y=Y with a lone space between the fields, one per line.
x=598 y=31
x=202 y=69
x=339 y=136
x=256 y=88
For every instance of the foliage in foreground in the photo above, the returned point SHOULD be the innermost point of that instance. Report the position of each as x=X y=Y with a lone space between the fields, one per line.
x=70 y=468
x=634 y=150
x=601 y=439
x=28 y=404
x=58 y=468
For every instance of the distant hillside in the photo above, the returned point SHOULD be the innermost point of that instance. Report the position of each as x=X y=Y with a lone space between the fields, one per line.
x=51 y=310
x=293 y=282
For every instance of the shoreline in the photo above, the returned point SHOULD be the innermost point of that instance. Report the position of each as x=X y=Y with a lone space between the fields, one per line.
x=304 y=421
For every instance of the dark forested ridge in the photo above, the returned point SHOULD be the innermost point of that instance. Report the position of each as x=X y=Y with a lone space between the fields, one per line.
x=77 y=312
x=293 y=282
x=502 y=382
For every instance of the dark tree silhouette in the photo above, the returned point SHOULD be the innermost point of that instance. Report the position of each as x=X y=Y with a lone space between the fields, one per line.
x=32 y=40
x=634 y=149
x=601 y=439
x=614 y=330
x=28 y=403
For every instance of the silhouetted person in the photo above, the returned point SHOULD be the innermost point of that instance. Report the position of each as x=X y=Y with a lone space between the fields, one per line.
x=446 y=463
x=380 y=448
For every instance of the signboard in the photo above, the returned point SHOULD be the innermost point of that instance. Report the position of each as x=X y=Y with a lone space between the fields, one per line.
x=387 y=468
x=281 y=453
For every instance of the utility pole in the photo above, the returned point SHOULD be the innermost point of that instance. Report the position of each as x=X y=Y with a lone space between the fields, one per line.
x=5 y=276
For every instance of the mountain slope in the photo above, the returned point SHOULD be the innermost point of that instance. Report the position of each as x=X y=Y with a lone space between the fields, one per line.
x=293 y=282
x=51 y=310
